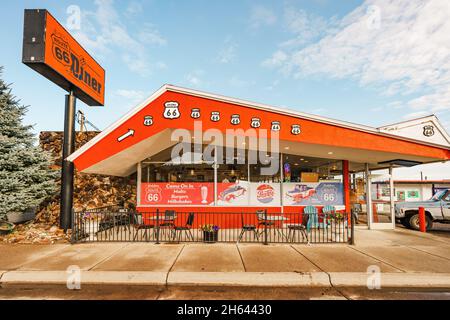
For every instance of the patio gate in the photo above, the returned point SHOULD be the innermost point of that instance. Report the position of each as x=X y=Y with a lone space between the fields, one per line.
x=114 y=224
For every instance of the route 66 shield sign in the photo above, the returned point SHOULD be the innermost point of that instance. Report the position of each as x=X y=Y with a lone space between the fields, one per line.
x=215 y=116
x=235 y=119
x=195 y=113
x=428 y=131
x=148 y=121
x=295 y=129
x=171 y=110
x=275 y=126
x=256 y=123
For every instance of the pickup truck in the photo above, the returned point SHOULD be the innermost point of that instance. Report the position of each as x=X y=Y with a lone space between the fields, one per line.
x=437 y=209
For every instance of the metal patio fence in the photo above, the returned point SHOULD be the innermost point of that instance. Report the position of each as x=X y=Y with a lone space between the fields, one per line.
x=114 y=224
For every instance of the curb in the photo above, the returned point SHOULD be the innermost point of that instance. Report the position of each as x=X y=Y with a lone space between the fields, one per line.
x=250 y=279
x=87 y=278
x=391 y=280
x=226 y=279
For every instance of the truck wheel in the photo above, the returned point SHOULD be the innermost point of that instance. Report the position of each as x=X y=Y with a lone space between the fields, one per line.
x=405 y=222
x=414 y=222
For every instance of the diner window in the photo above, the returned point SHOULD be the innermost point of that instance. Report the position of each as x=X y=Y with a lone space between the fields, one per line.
x=298 y=168
x=185 y=167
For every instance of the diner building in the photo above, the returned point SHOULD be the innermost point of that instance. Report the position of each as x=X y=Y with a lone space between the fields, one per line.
x=211 y=153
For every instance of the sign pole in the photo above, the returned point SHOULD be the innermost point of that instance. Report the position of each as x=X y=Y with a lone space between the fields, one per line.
x=65 y=219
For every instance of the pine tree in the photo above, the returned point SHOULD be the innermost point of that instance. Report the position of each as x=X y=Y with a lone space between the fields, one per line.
x=25 y=175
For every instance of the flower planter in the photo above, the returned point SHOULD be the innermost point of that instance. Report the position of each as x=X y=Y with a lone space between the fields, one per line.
x=6 y=227
x=210 y=236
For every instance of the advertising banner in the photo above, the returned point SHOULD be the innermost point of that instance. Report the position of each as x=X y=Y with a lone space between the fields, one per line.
x=313 y=193
x=233 y=194
x=181 y=193
x=244 y=193
x=265 y=194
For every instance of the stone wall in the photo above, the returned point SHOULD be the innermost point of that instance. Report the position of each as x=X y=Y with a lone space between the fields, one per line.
x=90 y=191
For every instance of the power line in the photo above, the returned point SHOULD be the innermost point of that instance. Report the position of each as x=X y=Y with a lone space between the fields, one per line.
x=82 y=121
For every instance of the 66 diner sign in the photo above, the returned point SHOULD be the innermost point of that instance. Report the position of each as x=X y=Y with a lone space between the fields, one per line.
x=51 y=51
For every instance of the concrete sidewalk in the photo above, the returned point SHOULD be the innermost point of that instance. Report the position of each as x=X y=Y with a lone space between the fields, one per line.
x=405 y=259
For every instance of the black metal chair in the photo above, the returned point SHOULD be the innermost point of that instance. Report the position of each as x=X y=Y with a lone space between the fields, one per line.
x=168 y=222
x=263 y=222
x=138 y=224
x=302 y=228
x=246 y=228
x=187 y=228
x=356 y=210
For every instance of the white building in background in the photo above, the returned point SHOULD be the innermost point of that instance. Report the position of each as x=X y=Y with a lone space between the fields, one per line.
x=410 y=190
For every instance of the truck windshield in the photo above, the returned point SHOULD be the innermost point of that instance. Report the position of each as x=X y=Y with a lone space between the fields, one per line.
x=438 y=195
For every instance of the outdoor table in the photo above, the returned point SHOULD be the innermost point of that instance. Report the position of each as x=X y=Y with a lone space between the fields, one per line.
x=276 y=218
x=160 y=218
x=279 y=220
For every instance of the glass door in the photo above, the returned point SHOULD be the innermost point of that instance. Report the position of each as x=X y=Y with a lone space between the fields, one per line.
x=381 y=211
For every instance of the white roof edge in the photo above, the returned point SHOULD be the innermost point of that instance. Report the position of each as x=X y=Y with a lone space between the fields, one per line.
x=271 y=108
x=308 y=116
x=406 y=121
x=245 y=103
x=116 y=124
x=431 y=117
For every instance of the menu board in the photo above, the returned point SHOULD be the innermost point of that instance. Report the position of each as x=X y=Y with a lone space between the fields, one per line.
x=177 y=193
x=313 y=193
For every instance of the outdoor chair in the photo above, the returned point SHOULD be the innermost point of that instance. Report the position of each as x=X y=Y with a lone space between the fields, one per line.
x=356 y=210
x=187 y=228
x=327 y=213
x=246 y=228
x=302 y=228
x=266 y=223
x=168 y=222
x=312 y=212
x=138 y=224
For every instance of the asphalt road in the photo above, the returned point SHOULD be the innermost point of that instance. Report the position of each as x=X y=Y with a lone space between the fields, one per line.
x=223 y=293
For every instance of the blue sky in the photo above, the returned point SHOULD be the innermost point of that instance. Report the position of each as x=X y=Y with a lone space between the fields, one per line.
x=372 y=62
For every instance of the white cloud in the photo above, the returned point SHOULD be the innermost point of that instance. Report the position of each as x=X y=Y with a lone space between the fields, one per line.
x=277 y=59
x=150 y=35
x=418 y=114
x=133 y=95
x=305 y=26
x=399 y=47
x=103 y=32
x=134 y=8
x=273 y=85
x=261 y=16
x=228 y=52
x=237 y=82
x=194 y=78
